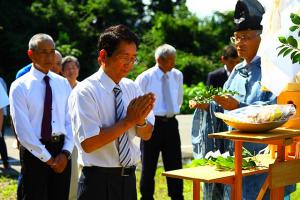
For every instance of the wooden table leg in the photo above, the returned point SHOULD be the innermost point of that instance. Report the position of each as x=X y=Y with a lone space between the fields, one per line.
x=238 y=178
x=263 y=189
x=278 y=193
x=196 y=190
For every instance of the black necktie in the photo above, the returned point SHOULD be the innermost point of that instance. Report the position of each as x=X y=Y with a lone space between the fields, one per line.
x=46 y=130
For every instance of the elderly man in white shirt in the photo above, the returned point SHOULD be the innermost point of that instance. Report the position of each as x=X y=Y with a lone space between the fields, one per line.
x=167 y=85
x=39 y=112
x=3 y=103
x=107 y=112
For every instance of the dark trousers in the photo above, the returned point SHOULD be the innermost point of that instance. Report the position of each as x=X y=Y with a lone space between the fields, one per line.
x=3 y=150
x=98 y=183
x=165 y=139
x=39 y=181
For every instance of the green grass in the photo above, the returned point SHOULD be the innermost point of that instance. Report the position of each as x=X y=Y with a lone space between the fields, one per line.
x=8 y=187
x=161 y=190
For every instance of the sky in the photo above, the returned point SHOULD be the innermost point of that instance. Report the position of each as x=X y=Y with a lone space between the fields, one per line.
x=204 y=8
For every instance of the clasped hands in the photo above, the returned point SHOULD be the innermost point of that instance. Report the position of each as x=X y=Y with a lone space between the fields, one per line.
x=139 y=108
x=226 y=101
x=59 y=163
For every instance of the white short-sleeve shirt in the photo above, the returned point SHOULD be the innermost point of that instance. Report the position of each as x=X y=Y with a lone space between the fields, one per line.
x=92 y=107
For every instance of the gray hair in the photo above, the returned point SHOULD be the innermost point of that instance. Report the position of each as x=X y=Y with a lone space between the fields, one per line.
x=37 y=38
x=58 y=53
x=258 y=32
x=68 y=59
x=164 y=50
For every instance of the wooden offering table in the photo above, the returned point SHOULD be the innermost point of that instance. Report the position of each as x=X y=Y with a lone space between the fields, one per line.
x=279 y=137
x=209 y=174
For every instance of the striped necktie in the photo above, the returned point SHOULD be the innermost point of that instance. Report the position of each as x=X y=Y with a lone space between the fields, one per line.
x=123 y=147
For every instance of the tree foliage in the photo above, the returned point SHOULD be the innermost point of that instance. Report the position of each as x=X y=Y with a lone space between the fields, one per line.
x=75 y=26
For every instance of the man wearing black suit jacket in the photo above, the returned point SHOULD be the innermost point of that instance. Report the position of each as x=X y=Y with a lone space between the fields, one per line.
x=229 y=58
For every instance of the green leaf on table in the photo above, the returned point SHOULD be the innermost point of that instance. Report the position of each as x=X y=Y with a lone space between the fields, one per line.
x=223 y=164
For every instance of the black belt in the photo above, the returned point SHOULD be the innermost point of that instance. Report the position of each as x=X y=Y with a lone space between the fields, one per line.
x=53 y=139
x=122 y=171
x=164 y=118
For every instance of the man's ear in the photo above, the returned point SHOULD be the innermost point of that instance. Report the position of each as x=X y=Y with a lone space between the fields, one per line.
x=102 y=55
x=29 y=53
x=222 y=60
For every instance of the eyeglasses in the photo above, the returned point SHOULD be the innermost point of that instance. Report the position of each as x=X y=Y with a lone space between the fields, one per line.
x=127 y=61
x=236 y=39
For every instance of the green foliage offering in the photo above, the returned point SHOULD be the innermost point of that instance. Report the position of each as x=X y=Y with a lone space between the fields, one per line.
x=207 y=94
x=222 y=163
x=188 y=93
x=290 y=44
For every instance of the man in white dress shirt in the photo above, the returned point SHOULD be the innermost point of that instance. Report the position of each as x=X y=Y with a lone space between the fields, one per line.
x=70 y=70
x=166 y=83
x=106 y=110
x=39 y=112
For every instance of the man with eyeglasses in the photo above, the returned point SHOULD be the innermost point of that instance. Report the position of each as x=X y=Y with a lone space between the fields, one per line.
x=166 y=83
x=108 y=111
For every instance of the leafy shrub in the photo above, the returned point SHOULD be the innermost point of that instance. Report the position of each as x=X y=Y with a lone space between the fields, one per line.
x=194 y=68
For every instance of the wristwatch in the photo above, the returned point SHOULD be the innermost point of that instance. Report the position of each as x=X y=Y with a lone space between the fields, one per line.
x=67 y=154
x=142 y=125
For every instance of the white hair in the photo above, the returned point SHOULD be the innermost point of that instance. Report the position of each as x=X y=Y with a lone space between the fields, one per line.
x=37 y=38
x=164 y=50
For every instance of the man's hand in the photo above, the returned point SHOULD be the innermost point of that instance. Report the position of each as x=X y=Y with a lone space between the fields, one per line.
x=193 y=104
x=50 y=162
x=227 y=102
x=139 y=108
x=60 y=163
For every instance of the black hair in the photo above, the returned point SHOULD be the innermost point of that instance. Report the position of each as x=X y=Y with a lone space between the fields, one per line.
x=113 y=36
x=229 y=52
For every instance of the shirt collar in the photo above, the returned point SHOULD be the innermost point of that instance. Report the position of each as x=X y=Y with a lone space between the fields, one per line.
x=106 y=81
x=244 y=63
x=159 y=72
x=245 y=70
x=40 y=75
x=226 y=69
